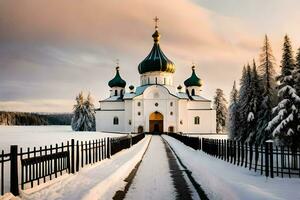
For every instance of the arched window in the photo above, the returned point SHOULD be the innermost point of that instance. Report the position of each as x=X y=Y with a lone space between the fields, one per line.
x=193 y=92
x=171 y=104
x=121 y=92
x=139 y=104
x=140 y=129
x=148 y=80
x=165 y=81
x=171 y=129
x=155 y=80
x=197 y=120
x=116 y=121
x=116 y=92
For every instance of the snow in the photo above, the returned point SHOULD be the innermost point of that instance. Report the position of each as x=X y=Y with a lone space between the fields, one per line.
x=210 y=136
x=153 y=179
x=99 y=181
x=30 y=136
x=250 y=117
x=222 y=180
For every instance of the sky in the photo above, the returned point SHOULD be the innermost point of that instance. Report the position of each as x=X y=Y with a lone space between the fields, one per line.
x=50 y=50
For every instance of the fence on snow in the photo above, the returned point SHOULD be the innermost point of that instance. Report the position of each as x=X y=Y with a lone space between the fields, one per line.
x=269 y=160
x=32 y=166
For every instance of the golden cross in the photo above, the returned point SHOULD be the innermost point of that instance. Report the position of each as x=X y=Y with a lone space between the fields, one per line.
x=156 y=20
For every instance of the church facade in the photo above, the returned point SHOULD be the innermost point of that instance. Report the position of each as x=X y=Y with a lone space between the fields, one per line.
x=156 y=105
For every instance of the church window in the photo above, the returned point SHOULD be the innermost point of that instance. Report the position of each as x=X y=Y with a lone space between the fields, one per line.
x=197 y=120
x=155 y=80
x=165 y=82
x=116 y=92
x=181 y=122
x=121 y=92
x=171 y=129
x=171 y=104
x=171 y=113
x=129 y=122
x=148 y=80
x=193 y=92
x=156 y=104
x=139 y=113
x=116 y=121
x=139 y=104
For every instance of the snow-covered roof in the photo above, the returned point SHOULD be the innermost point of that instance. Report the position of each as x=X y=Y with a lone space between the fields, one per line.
x=112 y=98
x=172 y=90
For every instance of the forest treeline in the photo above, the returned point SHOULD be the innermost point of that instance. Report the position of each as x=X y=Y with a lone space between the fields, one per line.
x=30 y=119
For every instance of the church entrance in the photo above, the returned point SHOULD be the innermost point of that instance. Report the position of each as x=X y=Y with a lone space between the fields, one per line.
x=156 y=122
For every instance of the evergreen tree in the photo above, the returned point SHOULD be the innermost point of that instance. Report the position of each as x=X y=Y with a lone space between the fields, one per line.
x=297 y=73
x=84 y=114
x=255 y=102
x=269 y=93
x=285 y=124
x=220 y=105
x=234 y=119
x=244 y=103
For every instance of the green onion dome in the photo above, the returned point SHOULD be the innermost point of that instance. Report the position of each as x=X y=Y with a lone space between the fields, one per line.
x=117 y=81
x=193 y=80
x=156 y=60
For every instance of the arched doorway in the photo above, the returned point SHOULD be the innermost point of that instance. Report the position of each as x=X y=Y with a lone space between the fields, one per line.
x=156 y=122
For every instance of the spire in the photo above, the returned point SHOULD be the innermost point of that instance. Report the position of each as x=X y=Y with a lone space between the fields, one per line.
x=156 y=34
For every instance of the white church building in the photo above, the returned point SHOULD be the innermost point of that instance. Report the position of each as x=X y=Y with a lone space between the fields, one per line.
x=156 y=105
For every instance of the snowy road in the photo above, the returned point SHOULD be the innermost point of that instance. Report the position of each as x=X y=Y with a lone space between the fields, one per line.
x=159 y=176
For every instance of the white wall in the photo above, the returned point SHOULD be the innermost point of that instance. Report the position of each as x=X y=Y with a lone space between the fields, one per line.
x=207 y=121
x=104 y=121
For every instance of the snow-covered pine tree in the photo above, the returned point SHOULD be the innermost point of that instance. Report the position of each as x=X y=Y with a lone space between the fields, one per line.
x=255 y=102
x=244 y=103
x=285 y=124
x=234 y=118
x=220 y=105
x=267 y=73
x=297 y=73
x=84 y=114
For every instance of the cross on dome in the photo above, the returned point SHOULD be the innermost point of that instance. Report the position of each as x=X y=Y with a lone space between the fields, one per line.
x=156 y=20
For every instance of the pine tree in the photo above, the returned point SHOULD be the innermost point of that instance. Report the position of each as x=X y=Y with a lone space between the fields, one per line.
x=255 y=102
x=84 y=114
x=244 y=103
x=297 y=73
x=269 y=93
x=234 y=119
x=220 y=105
x=285 y=125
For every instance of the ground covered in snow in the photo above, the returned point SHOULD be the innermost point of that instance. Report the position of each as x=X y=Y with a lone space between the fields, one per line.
x=30 y=136
x=210 y=136
x=222 y=180
x=99 y=181
x=153 y=179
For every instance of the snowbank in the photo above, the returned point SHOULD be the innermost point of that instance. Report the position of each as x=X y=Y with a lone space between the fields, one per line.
x=99 y=181
x=222 y=180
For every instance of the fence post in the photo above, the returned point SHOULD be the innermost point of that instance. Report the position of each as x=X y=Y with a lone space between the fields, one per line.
x=271 y=161
x=108 y=148
x=266 y=159
x=14 y=170
x=72 y=157
x=77 y=156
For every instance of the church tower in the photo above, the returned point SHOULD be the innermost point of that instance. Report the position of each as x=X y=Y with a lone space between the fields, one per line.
x=117 y=85
x=193 y=84
x=156 y=68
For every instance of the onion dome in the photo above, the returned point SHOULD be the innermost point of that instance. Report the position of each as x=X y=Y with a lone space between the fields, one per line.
x=193 y=80
x=117 y=81
x=156 y=60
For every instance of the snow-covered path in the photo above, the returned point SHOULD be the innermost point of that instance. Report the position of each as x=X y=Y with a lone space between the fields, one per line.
x=153 y=179
x=99 y=181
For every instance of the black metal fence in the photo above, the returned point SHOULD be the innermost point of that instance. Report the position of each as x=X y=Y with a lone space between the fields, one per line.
x=267 y=159
x=30 y=167
x=193 y=142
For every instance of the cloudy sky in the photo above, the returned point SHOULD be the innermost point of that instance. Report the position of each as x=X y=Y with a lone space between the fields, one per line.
x=52 y=49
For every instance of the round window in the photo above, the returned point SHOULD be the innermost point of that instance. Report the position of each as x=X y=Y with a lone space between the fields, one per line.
x=156 y=104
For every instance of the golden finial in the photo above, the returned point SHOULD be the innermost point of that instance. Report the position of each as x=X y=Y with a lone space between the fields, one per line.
x=156 y=20
x=193 y=66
